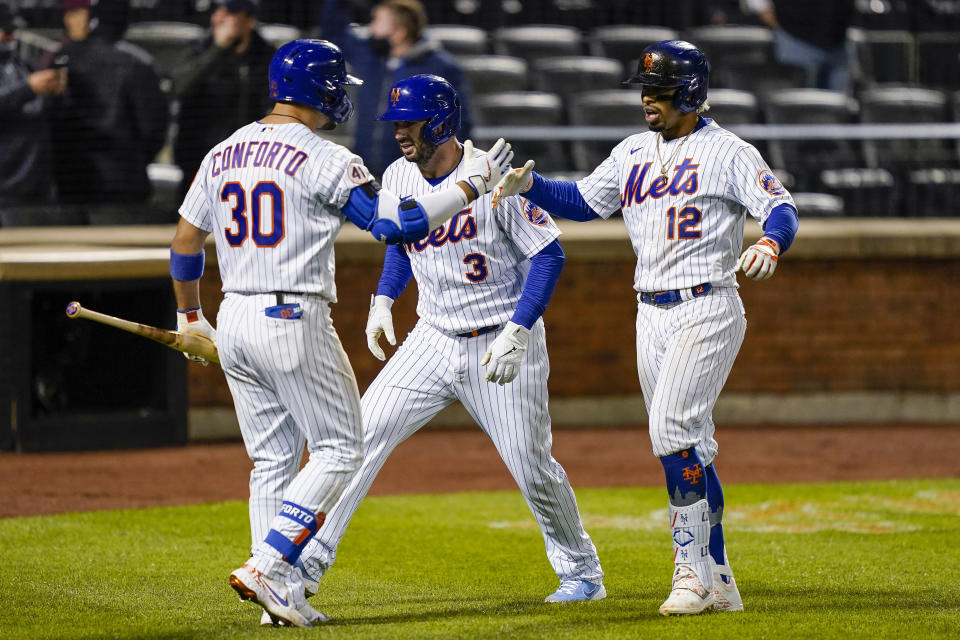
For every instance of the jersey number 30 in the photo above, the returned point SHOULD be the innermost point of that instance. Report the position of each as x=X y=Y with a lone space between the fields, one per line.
x=234 y=194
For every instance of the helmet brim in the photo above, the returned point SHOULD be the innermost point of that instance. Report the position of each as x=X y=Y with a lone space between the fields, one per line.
x=352 y=79
x=654 y=80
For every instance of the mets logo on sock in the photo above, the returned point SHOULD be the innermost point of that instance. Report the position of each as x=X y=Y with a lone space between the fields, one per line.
x=534 y=214
x=770 y=183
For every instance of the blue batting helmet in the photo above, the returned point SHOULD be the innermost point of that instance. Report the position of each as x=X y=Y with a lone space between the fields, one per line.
x=426 y=97
x=675 y=63
x=312 y=72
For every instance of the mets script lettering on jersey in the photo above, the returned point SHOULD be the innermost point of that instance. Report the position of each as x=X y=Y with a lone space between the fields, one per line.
x=681 y=183
x=460 y=227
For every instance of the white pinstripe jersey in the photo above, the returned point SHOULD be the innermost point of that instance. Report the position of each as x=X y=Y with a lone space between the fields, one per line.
x=470 y=271
x=688 y=229
x=271 y=194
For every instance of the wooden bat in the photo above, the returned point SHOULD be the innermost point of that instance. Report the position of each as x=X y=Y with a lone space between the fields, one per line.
x=185 y=342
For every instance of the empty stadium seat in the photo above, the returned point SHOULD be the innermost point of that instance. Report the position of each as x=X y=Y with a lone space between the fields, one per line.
x=167 y=42
x=865 y=192
x=494 y=74
x=885 y=56
x=934 y=192
x=808 y=157
x=938 y=57
x=278 y=34
x=905 y=104
x=525 y=108
x=626 y=42
x=607 y=108
x=739 y=44
x=818 y=205
x=459 y=39
x=537 y=41
x=760 y=78
x=570 y=75
x=731 y=106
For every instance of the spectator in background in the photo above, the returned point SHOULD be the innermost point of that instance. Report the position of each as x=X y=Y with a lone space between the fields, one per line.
x=113 y=118
x=395 y=50
x=26 y=102
x=811 y=34
x=220 y=83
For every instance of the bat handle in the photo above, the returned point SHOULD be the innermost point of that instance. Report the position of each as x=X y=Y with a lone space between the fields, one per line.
x=73 y=309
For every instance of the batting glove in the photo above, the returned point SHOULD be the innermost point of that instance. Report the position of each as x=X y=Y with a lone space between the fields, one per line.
x=506 y=354
x=379 y=322
x=513 y=182
x=760 y=260
x=483 y=173
x=192 y=321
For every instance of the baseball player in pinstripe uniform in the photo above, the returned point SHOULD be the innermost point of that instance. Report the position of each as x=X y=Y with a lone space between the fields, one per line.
x=685 y=189
x=484 y=280
x=275 y=195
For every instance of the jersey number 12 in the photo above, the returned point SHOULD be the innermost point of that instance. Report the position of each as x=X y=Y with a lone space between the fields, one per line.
x=683 y=225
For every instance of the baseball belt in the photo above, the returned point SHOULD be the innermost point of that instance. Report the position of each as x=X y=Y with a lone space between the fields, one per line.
x=666 y=298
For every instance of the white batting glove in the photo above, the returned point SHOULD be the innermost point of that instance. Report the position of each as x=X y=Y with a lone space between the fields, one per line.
x=760 y=260
x=513 y=182
x=483 y=173
x=506 y=353
x=379 y=322
x=192 y=321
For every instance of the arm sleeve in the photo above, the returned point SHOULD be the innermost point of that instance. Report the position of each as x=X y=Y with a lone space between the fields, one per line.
x=562 y=199
x=781 y=225
x=545 y=268
x=396 y=272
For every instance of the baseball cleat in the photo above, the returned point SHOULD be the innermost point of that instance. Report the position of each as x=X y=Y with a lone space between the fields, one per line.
x=273 y=595
x=577 y=591
x=725 y=590
x=296 y=587
x=688 y=596
x=313 y=616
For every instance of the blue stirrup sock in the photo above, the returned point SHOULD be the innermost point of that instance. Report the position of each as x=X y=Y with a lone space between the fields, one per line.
x=689 y=512
x=715 y=501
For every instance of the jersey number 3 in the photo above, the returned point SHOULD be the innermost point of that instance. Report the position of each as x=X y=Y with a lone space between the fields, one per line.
x=683 y=225
x=234 y=194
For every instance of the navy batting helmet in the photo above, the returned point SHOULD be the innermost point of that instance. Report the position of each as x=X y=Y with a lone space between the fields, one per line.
x=675 y=63
x=312 y=72
x=426 y=97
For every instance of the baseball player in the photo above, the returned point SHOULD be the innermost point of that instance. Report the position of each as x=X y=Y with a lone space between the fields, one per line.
x=275 y=195
x=685 y=189
x=484 y=280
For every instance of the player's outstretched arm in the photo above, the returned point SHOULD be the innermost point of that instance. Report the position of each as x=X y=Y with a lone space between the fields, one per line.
x=560 y=197
x=393 y=221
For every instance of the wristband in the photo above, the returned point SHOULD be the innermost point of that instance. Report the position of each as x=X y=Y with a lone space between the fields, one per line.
x=186 y=267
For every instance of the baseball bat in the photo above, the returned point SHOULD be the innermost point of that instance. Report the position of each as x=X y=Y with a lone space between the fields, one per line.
x=185 y=342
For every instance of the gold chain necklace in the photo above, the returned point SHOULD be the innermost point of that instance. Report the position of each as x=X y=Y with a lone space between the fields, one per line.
x=669 y=162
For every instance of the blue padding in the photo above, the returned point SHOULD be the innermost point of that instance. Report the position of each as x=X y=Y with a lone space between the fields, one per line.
x=186 y=268
x=413 y=221
x=361 y=207
x=685 y=477
x=283 y=544
x=396 y=272
x=300 y=515
x=715 y=501
x=561 y=198
x=545 y=268
x=782 y=225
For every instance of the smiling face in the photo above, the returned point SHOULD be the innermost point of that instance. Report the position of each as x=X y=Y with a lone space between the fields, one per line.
x=409 y=135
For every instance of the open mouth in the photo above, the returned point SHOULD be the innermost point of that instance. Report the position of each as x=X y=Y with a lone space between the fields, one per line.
x=406 y=146
x=650 y=115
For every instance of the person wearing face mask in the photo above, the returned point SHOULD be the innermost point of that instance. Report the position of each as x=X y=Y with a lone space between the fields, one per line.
x=220 y=82
x=396 y=49
x=26 y=100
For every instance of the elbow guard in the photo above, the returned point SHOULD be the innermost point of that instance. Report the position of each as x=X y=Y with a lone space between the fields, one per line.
x=399 y=222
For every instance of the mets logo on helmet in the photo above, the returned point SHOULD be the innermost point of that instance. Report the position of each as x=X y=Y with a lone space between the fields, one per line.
x=648 y=61
x=770 y=183
x=534 y=214
x=394 y=96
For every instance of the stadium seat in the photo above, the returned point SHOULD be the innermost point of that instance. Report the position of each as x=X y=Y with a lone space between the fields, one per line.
x=818 y=205
x=885 y=56
x=738 y=44
x=956 y=106
x=278 y=34
x=459 y=39
x=41 y=215
x=934 y=192
x=938 y=56
x=570 y=75
x=905 y=104
x=761 y=78
x=537 y=41
x=731 y=106
x=625 y=42
x=494 y=74
x=525 y=108
x=167 y=42
x=607 y=108
x=808 y=157
x=865 y=192
x=883 y=14
x=165 y=180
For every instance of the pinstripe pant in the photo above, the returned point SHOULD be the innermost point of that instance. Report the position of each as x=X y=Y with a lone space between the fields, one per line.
x=429 y=372
x=684 y=355
x=291 y=383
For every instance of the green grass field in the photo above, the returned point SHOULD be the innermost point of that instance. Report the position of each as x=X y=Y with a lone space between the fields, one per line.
x=866 y=560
